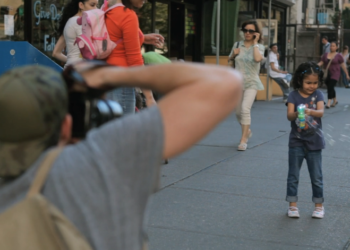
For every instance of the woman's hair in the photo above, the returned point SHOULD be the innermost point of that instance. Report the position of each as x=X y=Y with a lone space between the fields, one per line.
x=70 y=10
x=345 y=48
x=305 y=69
x=129 y=5
x=257 y=28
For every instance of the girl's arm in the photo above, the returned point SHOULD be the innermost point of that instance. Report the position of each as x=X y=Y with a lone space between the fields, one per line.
x=57 y=51
x=291 y=114
x=318 y=112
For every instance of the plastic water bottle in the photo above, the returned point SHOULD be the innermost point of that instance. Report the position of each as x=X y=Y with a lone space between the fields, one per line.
x=301 y=115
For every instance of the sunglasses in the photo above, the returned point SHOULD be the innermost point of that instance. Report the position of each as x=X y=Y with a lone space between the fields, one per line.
x=248 y=31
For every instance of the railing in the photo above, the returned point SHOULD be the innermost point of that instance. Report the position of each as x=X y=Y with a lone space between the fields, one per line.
x=321 y=16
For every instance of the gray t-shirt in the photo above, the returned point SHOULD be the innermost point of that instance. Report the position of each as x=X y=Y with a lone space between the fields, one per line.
x=102 y=184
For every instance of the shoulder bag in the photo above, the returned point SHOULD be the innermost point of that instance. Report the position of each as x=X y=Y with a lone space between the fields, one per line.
x=232 y=59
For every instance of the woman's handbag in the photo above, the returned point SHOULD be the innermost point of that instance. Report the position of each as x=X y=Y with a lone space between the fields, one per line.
x=232 y=59
x=325 y=74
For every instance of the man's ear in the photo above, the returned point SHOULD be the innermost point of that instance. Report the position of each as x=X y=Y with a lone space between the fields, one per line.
x=66 y=130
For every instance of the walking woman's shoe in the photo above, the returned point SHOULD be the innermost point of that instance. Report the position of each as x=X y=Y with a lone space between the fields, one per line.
x=318 y=213
x=334 y=104
x=242 y=147
x=327 y=107
x=293 y=212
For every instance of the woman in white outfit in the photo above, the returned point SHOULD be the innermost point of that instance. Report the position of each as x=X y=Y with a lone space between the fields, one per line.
x=69 y=30
x=248 y=55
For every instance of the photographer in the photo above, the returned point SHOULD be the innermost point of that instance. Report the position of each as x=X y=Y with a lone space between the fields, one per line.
x=103 y=183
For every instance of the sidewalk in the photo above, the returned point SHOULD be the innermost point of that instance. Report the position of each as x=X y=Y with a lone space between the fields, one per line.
x=214 y=197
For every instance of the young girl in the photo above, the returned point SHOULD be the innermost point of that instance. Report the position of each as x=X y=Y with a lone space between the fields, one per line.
x=69 y=30
x=306 y=143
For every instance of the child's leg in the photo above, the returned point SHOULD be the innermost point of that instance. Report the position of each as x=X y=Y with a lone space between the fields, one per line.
x=296 y=157
x=314 y=164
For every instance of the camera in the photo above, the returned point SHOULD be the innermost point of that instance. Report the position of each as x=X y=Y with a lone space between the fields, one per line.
x=87 y=106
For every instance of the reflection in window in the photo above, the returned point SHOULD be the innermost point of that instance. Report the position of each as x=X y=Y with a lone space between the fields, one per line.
x=243 y=5
x=227 y=28
x=12 y=20
x=46 y=16
x=190 y=32
x=145 y=18
x=161 y=25
x=278 y=16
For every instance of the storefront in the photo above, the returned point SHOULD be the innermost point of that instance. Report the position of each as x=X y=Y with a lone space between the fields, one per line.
x=36 y=21
x=189 y=26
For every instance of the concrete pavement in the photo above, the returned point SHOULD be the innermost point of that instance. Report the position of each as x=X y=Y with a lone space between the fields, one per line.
x=214 y=197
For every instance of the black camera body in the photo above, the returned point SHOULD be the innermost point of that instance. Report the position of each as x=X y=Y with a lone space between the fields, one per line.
x=90 y=110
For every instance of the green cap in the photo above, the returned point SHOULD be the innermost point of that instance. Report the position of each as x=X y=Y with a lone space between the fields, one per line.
x=33 y=104
x=154 y=58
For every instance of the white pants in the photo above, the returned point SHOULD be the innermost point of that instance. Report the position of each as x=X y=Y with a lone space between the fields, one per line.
x=243 y=108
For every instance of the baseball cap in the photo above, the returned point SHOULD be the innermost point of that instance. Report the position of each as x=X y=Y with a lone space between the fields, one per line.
x=33 y=104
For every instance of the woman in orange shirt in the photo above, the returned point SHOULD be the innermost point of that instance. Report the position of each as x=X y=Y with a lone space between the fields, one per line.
x=122 y=23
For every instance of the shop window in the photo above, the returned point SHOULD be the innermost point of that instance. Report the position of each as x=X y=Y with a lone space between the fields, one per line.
x=12 y=20
x=145 y=18
x=227 y=26
x=190 y=32
x=162 y=25
x=45 y=20
x=244 y=5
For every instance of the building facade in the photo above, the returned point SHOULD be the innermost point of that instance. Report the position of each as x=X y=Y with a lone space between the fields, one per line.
x=189 y=26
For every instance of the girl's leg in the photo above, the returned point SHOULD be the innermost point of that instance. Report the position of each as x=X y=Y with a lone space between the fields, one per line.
x=314 y=164
x=295 y=158
x=247 y=103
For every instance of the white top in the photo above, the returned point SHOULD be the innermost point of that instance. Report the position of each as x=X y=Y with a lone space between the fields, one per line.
x=346 y=57
x=273 y=59
x=70 y=33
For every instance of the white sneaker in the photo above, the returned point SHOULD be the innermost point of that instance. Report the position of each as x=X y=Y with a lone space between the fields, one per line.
x=293 y=212
x=318 y=213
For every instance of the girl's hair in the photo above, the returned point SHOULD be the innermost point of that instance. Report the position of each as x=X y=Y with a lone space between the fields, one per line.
x=70 y=10
x=257 y=28
x=305 y=69
x=345 y=48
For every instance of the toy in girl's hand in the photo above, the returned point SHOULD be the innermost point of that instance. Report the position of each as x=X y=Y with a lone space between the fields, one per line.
x=301 y=115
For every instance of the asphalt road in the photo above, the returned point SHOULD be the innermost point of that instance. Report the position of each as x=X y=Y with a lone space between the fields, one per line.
x=215 y=197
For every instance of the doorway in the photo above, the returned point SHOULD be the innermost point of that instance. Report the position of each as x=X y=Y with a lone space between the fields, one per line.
x=177 y=31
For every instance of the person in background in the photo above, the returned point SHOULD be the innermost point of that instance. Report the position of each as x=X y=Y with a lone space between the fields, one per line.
x=247 y=56
x=122 y=23
x=345 y=54
x=326 y=45
x=281 y=77
x=332 y=62
x=69 y=30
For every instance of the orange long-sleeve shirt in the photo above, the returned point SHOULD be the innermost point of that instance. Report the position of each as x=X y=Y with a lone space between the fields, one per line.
x=122 y=23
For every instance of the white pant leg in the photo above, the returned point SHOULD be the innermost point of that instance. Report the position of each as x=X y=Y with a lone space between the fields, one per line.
x=243 y=108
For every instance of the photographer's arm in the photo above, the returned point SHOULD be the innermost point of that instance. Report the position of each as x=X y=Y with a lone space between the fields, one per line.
x=198 y=97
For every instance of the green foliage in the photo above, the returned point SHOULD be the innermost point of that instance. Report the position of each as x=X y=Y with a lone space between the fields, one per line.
x=346 y=18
